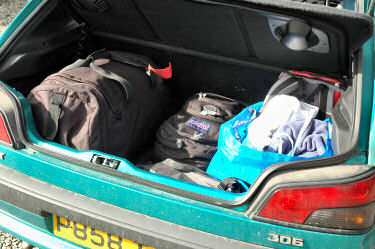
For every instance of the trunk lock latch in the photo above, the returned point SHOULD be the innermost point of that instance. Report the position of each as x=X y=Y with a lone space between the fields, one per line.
x=105 y=161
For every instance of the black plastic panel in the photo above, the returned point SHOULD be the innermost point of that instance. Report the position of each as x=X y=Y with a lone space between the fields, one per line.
x=124 y=16
x=201 y=27
x=238 y=30
x=273 y=51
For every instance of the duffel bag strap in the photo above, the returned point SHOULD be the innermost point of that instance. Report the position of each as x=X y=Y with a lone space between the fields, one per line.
x=182 y=166
x=54 y=112
x=282 y=83
x=136 y=61
x=126 y=85
x=123 y=58
x=320 y=92
x=89 y=62
x=133 y=60
x=79 y=63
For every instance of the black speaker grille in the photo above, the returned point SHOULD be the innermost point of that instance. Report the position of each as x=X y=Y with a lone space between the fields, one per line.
x=278 y=32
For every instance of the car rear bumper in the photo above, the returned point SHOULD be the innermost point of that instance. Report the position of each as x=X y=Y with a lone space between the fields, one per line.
x=30 y=233
x=45 y=199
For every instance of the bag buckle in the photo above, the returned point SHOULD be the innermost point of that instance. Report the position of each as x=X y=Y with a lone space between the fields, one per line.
x=197 y=136
x=209 y=110
x=179 y=143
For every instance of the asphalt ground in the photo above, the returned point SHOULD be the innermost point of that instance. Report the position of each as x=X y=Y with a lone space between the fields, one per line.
x=8 y=11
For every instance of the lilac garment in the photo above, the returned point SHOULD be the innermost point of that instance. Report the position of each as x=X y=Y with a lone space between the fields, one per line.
x=313 y=140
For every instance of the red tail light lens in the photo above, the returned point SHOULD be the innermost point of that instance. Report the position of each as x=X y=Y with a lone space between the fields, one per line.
x=347 y=206
x=4 y=136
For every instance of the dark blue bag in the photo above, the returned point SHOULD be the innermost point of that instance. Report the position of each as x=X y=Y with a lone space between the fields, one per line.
x=233 y=159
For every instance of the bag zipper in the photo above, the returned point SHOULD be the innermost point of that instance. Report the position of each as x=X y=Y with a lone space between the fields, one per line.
x=87 y=83
x=72 y=88
x=92 y=96
x=340 y=85
x=188 y=136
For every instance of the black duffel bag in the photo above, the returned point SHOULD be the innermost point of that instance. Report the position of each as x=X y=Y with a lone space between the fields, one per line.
x=112 y=102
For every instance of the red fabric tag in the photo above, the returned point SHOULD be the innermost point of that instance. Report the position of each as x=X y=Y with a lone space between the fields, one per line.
x=165 y=73
x=311 y=76
x=3 y=132
x=336 y=98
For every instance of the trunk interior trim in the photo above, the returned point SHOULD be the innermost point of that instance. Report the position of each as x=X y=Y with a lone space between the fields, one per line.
x=191 y=52
x=31 y=11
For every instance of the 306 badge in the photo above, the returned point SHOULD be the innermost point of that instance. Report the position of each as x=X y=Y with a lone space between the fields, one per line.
x=286 y=240
x=90 y=237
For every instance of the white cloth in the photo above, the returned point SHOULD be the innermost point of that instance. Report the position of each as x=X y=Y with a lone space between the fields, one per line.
x=278 y=110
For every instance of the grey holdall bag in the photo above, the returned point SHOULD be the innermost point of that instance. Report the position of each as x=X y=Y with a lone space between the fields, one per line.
x=313 y=89
x=191 y=135
x=111 y=102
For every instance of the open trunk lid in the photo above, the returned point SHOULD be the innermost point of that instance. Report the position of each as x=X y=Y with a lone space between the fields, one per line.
x=270 y=34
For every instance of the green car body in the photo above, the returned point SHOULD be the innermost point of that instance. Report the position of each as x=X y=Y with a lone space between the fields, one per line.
x=49 y=186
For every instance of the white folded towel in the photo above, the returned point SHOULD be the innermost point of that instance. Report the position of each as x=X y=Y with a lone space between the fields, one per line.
x=278 y=110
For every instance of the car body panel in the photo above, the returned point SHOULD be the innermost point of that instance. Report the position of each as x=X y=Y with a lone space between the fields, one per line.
x=29 y=227
x=84 y=209
x=224 y=224
x=369 y=77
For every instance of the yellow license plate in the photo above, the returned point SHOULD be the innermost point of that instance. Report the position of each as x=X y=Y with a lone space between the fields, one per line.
x=90 y=237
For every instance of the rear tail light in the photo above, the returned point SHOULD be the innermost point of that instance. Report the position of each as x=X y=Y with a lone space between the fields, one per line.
x=344 y=218
x=4 y=136
x=347 y=206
